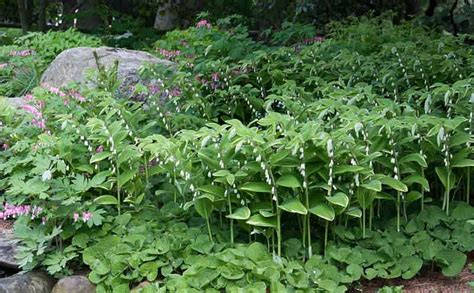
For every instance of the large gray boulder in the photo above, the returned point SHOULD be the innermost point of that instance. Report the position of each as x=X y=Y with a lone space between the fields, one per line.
x=71 y=65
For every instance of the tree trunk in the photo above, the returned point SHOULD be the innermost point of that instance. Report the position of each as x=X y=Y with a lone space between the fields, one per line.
x=451 y=18
x=23 y=16
x=431 y=8
x=42 y=15
x=413 y=7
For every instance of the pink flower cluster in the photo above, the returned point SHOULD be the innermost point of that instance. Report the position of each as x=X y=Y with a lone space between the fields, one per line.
x=13 y=211
x=316 y=39
x=38 y=119
x=53 y=90
x=203 y=23
x=5 y=146
x=3 y=65
x=214 y=83
x=86 y=216
x=99 y=149
x=23 y=53
x=169 y=54
x=76 y=96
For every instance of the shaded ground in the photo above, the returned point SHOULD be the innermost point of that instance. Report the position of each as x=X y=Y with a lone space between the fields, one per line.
x=427 y=281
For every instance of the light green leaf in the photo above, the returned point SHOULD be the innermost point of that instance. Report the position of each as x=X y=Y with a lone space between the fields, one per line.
x=324 y=211
x=289 y=180
x=394 y=183
x=293 y=206
x=106 y=199
x=204 y=207
x=415 y=178
x=462 y=163
x=341 y=169
x=354 y=212
x=256 y=187
x=374 y=185
x=242 y=213
x=339 y=199
x=126 y=176
x=100 y=156
x=260 y=221
x=414 y=157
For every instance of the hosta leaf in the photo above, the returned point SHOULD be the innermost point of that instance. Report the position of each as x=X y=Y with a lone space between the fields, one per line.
x=414 y=157
x=100 y=156
x=242 y=213
x=260 y=221
x=293 y=206
x=339 y=199
x=451 y=261
x=106 y=199
x=417 y=179
x=289 y=180
x=324 y=211
x=410 y=266
x=256 y=187
x=394 y=183
x=374 y=185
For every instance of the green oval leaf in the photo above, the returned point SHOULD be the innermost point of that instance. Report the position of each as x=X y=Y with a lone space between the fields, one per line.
x=323 y=211
x=339 y=199
x=293 y=206
x=260 y=221
x=242 y=213
x=256 y=187
x=414 y=157
x=106 y=199
x=288 y=180
x=100 y=156
x=394 y=183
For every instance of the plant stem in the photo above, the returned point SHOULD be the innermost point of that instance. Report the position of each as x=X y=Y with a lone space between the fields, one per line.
x=447 y=190
x=398 y=210
x=422 y=191
x=468 y=187
x=208 y=226
x=308 y=218
x=231 y=220
x=118 y=186
x=326 y=229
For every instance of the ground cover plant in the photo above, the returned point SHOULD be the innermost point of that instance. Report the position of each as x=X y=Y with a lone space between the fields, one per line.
x=304 y=164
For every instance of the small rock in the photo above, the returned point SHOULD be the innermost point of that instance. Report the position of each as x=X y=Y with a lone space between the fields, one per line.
x=140 y=286
x=7 y=249
x=31 y=282
x=74 y=284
